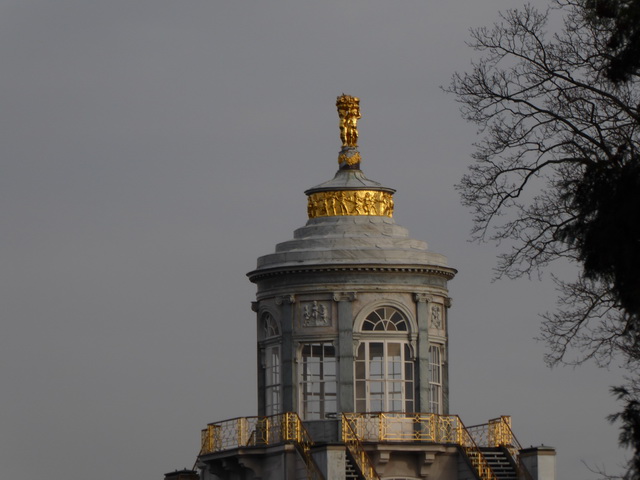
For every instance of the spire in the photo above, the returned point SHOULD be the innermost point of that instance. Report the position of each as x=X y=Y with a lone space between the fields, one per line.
x=349 y=193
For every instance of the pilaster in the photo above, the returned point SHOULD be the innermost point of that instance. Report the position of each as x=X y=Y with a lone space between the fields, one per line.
x=445 y=369
x=345 y=350
x=287 y=352
x=422 y=318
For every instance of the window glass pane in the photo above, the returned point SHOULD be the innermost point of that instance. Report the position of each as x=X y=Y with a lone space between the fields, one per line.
x=408 y=405
x=408 y=371
x=408 y=391
x=377 y=405
x=329 y=367
x=395 y=389
x=329 y=388
x=361 y=390
x=376 y=388
x=376 y=350
x=376 y=359
x=393 y=350
x=330 y=406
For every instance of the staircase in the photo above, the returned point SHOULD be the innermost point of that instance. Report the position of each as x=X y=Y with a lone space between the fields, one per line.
x=351 y=472
x=500 y=463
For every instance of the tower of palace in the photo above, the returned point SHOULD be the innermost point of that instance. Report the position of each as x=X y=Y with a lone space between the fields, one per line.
x=352 y=319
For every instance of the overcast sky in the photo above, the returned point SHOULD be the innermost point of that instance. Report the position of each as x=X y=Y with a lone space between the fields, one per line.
x=151 y=150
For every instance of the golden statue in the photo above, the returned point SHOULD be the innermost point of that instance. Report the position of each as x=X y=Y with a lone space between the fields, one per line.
x=349 y=113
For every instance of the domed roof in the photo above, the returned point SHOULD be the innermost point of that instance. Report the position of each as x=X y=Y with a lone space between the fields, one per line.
x=351 y=221
x=351 y=240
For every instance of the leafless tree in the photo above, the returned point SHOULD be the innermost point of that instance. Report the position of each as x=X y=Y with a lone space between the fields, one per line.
x=556 y=178
x=556 y=173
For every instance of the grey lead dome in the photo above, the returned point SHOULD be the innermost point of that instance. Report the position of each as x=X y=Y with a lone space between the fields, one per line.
x=358 y=240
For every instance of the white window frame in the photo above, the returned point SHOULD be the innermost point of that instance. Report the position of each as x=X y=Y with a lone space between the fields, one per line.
x=384 y=366
x=272 y=380
x=318 y=380
x=271 y=363
x=436 y=356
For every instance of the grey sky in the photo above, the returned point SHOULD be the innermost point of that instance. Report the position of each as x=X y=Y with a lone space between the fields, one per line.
x=152 y=150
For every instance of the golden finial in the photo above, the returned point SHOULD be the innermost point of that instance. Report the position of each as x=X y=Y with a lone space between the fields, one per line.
x=349 y=113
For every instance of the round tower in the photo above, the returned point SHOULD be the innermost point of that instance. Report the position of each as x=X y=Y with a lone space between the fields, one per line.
x=352 y=312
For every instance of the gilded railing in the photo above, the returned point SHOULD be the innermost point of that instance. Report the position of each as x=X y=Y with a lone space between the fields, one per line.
x=474 y=454
x=255 y=431
x=351 y=440
x=369 y=427
x=499 y=434
x=416 y=427
x=496 y=433
x=303 y=443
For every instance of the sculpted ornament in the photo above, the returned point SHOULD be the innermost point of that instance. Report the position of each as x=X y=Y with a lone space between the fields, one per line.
x=436 y=316
x=349 y=113
x=350 y=202
x=315 y=314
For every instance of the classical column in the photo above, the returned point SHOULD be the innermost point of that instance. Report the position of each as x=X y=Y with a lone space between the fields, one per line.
x=287 y=352
x=445 y=367
x=345 y=350
x=422 y=318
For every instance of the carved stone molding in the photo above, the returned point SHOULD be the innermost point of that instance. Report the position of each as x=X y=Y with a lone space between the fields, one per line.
x=254 y=306
x=427 y=460
x=286 y=299
x=344 y=296
x=422 y=297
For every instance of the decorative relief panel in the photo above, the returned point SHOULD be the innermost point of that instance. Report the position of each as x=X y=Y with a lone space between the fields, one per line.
x=350 y=202
x=316 y=314
x=436 y=316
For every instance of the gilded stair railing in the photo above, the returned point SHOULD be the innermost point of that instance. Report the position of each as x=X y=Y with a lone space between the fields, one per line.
x=257 y=431
x=498 y=433
x=298 y=434
x=474 y=454
x=357 y=451
x=508 y=440
x=415 y=427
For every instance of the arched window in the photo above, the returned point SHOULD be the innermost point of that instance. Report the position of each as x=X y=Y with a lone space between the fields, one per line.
x=385 y=319
x=270 y=326
x=384 y=365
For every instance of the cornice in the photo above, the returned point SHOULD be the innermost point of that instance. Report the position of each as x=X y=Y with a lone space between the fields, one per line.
x=445 y=272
